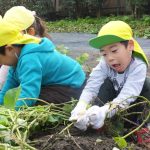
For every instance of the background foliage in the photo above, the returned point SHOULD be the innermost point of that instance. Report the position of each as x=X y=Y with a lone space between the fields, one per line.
x=76 y=8
x=141 y=27
x=85 y=15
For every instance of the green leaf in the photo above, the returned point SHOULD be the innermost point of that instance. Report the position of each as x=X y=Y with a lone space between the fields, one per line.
x=53 y=119
x=11 y=97
x=4 y=120
x=82 y=58
x=67 y=108
x=2 y=127
x=21 y=122
x=6 y=136
x=62 y=49
x=117 y=126
x=121 y=142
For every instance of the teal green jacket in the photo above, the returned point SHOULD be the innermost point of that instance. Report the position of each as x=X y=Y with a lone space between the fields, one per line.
x=40 y=65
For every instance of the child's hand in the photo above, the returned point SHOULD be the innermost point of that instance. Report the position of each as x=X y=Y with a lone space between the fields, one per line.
x=78 y=111
x=96 y=116
x=82 y=122
x=78 y=116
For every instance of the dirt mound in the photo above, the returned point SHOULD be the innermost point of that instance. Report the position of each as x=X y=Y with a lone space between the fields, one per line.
x=77 y=140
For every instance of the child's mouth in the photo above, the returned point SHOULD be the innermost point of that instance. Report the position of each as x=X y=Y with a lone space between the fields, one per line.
x=117 y=67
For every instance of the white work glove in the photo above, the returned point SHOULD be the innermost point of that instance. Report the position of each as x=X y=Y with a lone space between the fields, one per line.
x=114 y=106
x=82 y=122
x=78 y=111
x=78 y=116
x=3 y=75
x=96 y=116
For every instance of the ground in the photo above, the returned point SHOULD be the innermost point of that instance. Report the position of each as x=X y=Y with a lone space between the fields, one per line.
x=77 y=140
x=89 y=140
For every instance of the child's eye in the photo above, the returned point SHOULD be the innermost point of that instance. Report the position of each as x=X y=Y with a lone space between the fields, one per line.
x=104 y=55
x=114 y=51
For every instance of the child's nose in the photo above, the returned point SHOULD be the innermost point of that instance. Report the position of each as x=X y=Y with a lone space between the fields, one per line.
x=110 y=58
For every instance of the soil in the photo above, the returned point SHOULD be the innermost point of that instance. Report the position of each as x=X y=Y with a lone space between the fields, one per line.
x=77 y=140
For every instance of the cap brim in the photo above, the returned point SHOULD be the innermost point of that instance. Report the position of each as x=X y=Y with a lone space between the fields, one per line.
x=102 y=41
x=25 y=39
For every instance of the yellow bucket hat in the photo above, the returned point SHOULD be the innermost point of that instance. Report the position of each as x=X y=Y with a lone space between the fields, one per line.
x=116 y=31
x=9 y=34
x=20 y=17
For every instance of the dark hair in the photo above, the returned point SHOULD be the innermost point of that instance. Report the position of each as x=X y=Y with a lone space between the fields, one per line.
x=18 y=45
x=2 y=50
x=40 y=27
x=125 y=43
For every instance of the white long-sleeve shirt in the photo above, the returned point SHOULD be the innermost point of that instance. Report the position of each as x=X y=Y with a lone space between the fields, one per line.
x=129 y=83
x=3 y=75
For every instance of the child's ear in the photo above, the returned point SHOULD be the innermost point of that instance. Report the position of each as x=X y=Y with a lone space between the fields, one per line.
x=9 y=50
x=31 y=31
x=131 y=45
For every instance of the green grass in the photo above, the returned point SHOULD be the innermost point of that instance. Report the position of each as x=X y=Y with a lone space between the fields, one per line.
x=141 y=27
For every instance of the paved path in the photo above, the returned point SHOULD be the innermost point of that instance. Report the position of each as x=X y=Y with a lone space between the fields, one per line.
x=79 y=42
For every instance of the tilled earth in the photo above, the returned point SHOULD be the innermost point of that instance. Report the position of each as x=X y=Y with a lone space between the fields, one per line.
x=77 y=140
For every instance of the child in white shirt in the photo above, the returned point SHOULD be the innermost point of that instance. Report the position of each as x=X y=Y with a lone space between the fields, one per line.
x=120 y=74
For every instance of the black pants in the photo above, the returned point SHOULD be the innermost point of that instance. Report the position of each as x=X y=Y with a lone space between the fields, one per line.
x=107 y=93
x=59 y=94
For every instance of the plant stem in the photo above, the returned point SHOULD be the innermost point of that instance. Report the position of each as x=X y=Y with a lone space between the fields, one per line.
x=133 y=105
x=66 y=128
x=148 y=116
x=36 y=99
x=28 y=146
x=130 y=121
x=133 y=113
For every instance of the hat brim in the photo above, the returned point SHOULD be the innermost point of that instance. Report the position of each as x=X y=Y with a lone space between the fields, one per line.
x=25 y=39
x=102 y=41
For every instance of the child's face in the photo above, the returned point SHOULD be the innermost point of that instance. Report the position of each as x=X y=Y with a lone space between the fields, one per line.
x=10 y=57
x=30 y=31
x=117 y=56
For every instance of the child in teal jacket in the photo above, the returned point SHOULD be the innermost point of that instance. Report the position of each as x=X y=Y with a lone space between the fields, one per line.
x=37 y=65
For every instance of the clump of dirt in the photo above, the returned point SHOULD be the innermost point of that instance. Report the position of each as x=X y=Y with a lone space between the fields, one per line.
x=77 y=140
x=58 y=142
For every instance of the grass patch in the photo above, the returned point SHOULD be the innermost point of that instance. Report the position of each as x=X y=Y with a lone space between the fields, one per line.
x=141 y=27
